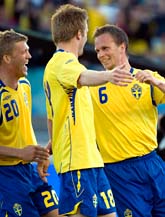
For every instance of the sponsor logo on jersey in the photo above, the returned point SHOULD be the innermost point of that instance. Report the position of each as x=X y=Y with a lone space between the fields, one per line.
x=6 y=97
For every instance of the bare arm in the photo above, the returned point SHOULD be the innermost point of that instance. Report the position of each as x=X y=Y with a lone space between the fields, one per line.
x=161 y=85
x=43 y=167
x=49 y=145
x=147 y=77
x=117 y=76
x=29 y=153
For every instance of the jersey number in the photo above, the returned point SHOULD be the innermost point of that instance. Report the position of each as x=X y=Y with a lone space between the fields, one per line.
x=103 y=97
x=11 y=110
x=48 y=198
x=108 y=199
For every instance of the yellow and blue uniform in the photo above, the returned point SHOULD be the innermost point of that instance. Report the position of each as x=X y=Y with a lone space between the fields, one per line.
x=126 y=128
x=15 y=118
x=73 y=141
x=21 y=187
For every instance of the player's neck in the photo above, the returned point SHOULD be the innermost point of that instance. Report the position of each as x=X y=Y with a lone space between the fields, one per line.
x=69 y=47
x=125 y=61
x=9 y=80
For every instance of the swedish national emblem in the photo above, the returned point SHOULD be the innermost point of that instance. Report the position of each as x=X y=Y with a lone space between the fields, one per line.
x=136 y=91
x=128 y=213
x=17 y=209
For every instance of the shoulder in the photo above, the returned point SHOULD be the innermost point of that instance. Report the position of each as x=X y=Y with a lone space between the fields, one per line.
x=24 y=81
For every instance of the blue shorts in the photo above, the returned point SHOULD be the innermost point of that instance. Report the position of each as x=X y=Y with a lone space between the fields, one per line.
x=23 y=193
x=138 y=185
x=87 y=189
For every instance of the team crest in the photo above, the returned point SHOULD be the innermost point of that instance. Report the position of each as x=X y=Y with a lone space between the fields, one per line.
x=95 y=202
x=17 y=209
x=136 y=91
x=128 y=213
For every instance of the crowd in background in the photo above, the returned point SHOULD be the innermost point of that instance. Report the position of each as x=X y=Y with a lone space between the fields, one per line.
x=143 y=20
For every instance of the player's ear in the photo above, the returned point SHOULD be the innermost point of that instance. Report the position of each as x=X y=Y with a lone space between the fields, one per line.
x=123 y=47
x=79 y=35
x=6 y=58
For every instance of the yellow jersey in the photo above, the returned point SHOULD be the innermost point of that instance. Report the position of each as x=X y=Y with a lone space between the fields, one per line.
x=71 y=111
x=15 y=118
x=126 y=119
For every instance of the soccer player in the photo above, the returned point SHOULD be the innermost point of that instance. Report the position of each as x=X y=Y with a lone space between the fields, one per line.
x=22 y=191
x=84 y=188
x=126 y=129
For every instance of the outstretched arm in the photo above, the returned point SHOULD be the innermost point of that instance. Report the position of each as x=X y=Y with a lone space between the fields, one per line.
x=118 y=76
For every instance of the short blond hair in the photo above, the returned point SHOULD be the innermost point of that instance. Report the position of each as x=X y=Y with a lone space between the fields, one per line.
x=8 y=38
x=67 y=21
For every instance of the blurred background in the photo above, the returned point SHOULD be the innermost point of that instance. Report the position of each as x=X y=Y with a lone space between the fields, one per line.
x=143 y=21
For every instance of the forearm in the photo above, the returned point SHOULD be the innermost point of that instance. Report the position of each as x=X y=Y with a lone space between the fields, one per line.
x=160 y=84
x=49 y=125
x=9 y=152
x=49 y=145
x=93 y=78
x=28 y=153
x=118 y=76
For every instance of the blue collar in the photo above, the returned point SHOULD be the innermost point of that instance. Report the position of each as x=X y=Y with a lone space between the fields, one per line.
x=131 y=70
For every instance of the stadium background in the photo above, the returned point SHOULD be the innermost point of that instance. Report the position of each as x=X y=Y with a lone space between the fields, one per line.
x=143 y=21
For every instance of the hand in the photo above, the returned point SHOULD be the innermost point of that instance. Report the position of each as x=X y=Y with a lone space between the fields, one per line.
x=42 y=169
x=120 y=76
x=34 y=153
x=49 y=147
x=145 y=76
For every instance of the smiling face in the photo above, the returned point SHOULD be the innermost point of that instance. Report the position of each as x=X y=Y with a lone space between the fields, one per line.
x=109 y=53
x=19 y=58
